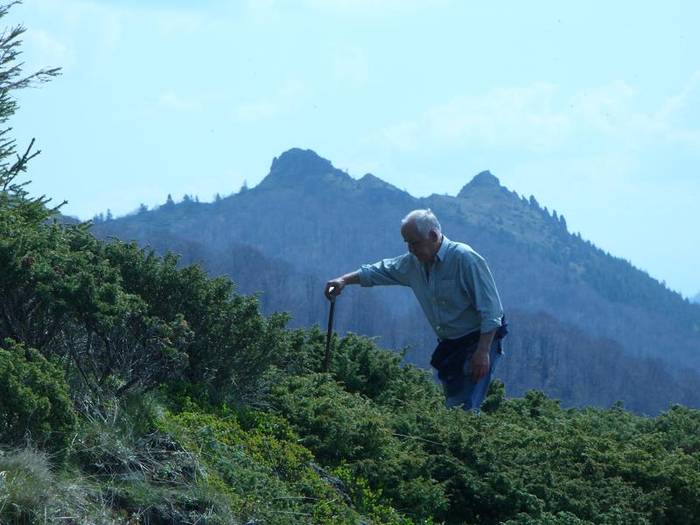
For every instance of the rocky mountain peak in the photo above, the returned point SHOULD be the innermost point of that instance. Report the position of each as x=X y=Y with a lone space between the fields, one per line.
x=485 y=179
x=300 y=167
x=373 y=182
x=300 y=161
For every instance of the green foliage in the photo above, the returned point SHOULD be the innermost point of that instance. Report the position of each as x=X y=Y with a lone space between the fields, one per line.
x=233 y=343
x=521 y=461
x=34 y=400
x=265 y=473
x=338 y=425
x=127 y=320
x=347 y=429
x=495 y=397
x=679 y=428
x=63 y=297
x=124 y=320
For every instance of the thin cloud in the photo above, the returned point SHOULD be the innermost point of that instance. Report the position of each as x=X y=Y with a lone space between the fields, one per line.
x=375 y=7
x=678 y=102
x=679 y=111
x=70 y=23
x=288 y=98
x=173 y=101
x=256 y=111
x=350 y=67
x=522 y=117
x=540 y=118
x=48 y=50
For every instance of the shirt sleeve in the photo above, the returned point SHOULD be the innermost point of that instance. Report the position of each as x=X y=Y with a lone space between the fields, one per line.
x=394 y=271
x=477 y=279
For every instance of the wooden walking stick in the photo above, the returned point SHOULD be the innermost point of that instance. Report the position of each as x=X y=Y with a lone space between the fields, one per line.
x=327 y=360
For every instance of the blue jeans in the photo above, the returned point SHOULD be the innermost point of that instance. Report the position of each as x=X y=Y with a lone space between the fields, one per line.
x=463 y=391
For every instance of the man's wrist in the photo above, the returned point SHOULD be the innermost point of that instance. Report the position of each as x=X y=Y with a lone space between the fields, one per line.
x=485 y=340
x=350 y=278
x=482 y=349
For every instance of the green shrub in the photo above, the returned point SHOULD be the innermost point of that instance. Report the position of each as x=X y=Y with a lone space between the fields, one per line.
x=336 y=425
x=34 y=401
x=347 y=429
x=257 y=462
x=232 y=343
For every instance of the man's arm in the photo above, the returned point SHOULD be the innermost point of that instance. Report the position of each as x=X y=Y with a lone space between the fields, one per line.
x=481 y=360
x=335 y=286
x=385 y=272
x=478 y=280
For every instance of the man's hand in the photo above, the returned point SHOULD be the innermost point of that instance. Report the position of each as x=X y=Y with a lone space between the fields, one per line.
x=334 y=287
x=480 y=364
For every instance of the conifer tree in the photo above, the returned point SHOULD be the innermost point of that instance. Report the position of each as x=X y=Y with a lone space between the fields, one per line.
x=12 y=164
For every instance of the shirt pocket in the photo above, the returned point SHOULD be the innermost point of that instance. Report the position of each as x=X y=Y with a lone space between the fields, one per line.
x=449 y=295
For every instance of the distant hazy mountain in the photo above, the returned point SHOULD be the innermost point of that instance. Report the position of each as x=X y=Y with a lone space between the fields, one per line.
x=696 y=299
x=588 y=327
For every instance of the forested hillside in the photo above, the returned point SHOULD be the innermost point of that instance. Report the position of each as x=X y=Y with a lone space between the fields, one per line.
x=581 y=311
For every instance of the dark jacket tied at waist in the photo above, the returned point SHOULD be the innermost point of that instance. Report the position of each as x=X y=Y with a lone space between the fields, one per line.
x=451 y=354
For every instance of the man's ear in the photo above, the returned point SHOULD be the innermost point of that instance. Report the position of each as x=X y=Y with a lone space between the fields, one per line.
x=433 y=235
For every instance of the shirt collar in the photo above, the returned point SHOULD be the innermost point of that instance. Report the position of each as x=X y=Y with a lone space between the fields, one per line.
x=443 y=249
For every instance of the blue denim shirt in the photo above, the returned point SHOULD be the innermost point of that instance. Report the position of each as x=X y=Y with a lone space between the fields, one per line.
x=458 y=295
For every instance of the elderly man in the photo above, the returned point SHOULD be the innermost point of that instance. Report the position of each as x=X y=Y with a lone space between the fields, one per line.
x=455 y=288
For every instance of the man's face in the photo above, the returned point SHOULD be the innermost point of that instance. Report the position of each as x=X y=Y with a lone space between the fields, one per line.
x=423 y=248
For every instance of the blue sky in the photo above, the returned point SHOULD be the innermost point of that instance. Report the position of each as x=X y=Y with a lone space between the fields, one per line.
x=592 y=107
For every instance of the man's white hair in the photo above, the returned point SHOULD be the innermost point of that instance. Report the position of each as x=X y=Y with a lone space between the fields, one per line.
x=425 y=221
